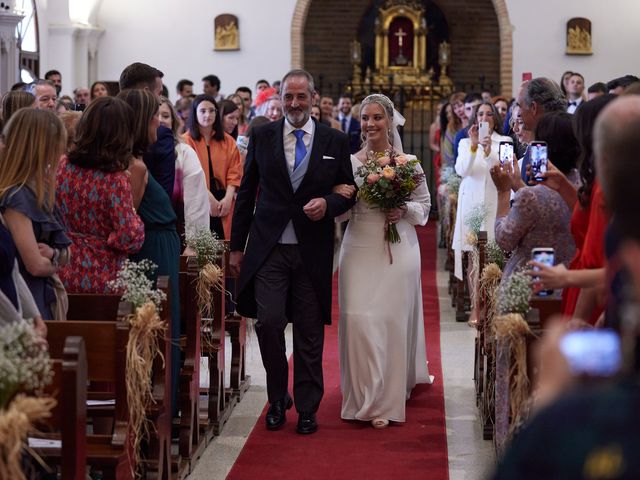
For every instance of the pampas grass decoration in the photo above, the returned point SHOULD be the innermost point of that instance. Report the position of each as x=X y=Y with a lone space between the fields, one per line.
x=513 y=329
x=15 y=424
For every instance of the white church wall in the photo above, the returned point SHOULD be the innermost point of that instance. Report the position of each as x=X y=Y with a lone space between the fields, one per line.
x=539 y=38
x=181 y=44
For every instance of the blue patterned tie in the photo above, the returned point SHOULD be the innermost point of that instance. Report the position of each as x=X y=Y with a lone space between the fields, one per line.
x=301 y=149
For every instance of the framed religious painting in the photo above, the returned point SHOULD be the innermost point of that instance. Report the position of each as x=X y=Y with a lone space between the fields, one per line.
x=579 y=36
x=227 y=33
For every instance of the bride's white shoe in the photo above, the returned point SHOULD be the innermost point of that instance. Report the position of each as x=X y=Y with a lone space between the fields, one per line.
x=380 y=423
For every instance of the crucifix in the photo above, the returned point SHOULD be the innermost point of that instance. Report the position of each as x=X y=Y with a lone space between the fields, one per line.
x=400 y=60
x=400 y=34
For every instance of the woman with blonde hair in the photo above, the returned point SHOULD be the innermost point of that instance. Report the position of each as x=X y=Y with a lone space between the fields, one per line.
x=34 y=142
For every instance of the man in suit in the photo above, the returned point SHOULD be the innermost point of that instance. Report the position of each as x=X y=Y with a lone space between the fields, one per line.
x=286 y=209
x=349 y=125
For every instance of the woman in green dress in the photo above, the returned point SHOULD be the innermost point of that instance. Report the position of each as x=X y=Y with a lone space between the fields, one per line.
x=161 y=243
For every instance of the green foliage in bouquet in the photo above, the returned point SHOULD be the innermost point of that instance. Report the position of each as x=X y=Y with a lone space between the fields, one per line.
x=495 y=254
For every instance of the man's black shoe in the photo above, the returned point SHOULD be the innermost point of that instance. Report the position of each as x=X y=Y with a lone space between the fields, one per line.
x=277 y=413
x=307 y=423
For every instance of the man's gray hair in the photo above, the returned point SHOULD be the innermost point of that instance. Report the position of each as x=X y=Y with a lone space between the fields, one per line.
x=298 y=72
x=31 y=88
x=546 y=93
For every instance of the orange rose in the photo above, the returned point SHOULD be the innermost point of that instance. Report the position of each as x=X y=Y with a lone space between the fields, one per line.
x=372 y=178
x=384 y=161
x=389 y=173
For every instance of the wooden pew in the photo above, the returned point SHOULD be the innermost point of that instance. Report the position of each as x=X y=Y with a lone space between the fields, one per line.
x=68 y=421
x=542 y=309
x=190 y=443
x=105 y=307
x=479 y=354
x=217 y=410
x=236 y=325
x=106 y=343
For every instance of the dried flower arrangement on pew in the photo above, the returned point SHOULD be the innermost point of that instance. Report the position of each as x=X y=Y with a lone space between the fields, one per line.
x=134 y=281
x=24 y=366
x=511 y=329
x=209 y=250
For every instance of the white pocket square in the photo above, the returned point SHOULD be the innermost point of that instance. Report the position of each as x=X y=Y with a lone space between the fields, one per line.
x=327 y=157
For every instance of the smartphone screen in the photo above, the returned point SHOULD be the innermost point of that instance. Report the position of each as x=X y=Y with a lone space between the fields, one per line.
x=594 y=353
x=545 y=256
x=505 y=153
x=538 y=157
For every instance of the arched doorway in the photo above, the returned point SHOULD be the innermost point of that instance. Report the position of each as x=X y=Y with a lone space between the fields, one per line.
x=481 y=40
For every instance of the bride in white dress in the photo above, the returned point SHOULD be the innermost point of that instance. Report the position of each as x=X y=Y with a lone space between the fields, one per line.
x=381 y=327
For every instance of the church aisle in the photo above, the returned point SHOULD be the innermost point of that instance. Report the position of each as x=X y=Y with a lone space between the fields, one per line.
x=468 y=455
x=354 y=449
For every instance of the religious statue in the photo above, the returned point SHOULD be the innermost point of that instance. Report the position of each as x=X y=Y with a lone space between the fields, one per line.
x=579 y=37
x=226 y=32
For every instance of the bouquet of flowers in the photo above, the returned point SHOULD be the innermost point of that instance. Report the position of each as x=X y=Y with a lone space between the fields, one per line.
x=389 y=180
x=24 y=361
x=133 y=280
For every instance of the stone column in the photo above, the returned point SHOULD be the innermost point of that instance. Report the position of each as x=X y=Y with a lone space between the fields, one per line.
x=9 y=53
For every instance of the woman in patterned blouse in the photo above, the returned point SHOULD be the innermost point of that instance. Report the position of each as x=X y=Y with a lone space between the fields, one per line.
x=94 y=196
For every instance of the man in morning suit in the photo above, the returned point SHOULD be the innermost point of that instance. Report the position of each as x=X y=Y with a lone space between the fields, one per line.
x=349 y=124
x=283 y=252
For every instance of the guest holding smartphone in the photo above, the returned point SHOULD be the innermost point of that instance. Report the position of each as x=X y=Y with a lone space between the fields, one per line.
x=476 y=156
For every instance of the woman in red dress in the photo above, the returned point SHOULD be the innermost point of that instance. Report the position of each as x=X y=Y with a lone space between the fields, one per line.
x=94 y=195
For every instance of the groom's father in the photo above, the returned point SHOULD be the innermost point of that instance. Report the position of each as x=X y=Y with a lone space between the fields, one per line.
x=284 y=215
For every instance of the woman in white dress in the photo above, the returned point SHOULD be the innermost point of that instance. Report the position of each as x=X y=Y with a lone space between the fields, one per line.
x=381 y=327
x=476 y=156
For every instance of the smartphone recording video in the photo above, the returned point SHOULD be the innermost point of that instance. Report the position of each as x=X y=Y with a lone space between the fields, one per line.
x=593 y=353
x=505 y=153
x=483 y=130
x=538 y=157
x=545 y=256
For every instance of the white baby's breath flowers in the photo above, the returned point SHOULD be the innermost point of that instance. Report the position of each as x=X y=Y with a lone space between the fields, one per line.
x=134 y=282
x=476 y=217
x=514 y=294
x=24 y=360
x=453 y=184
x=495 y=254
x=206 y=245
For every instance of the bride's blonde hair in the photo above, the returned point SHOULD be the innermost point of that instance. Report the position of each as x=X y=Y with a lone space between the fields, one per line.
x=388 y=108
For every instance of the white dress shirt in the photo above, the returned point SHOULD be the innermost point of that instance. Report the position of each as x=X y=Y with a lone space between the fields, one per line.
x=290 y=139
x=572 y=105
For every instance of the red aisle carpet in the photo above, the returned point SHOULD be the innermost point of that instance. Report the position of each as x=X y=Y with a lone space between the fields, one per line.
x=416 y=449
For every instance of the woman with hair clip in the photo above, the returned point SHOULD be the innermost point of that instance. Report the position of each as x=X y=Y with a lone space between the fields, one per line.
x=219 y=158
x=95 y=197
x=190 y=196
x=34 y=142
x=382 y=344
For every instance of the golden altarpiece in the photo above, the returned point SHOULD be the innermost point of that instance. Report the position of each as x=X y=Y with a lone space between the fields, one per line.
x=401 y=52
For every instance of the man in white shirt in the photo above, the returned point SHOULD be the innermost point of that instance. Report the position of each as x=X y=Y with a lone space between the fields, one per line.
x=348 y=124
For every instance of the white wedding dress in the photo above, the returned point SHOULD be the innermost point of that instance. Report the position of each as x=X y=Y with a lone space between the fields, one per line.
x=381 y=328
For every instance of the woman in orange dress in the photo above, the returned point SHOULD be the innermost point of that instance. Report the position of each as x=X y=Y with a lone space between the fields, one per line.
x=220 y=160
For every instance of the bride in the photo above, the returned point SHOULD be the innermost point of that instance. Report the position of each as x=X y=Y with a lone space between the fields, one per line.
x=381 y=327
